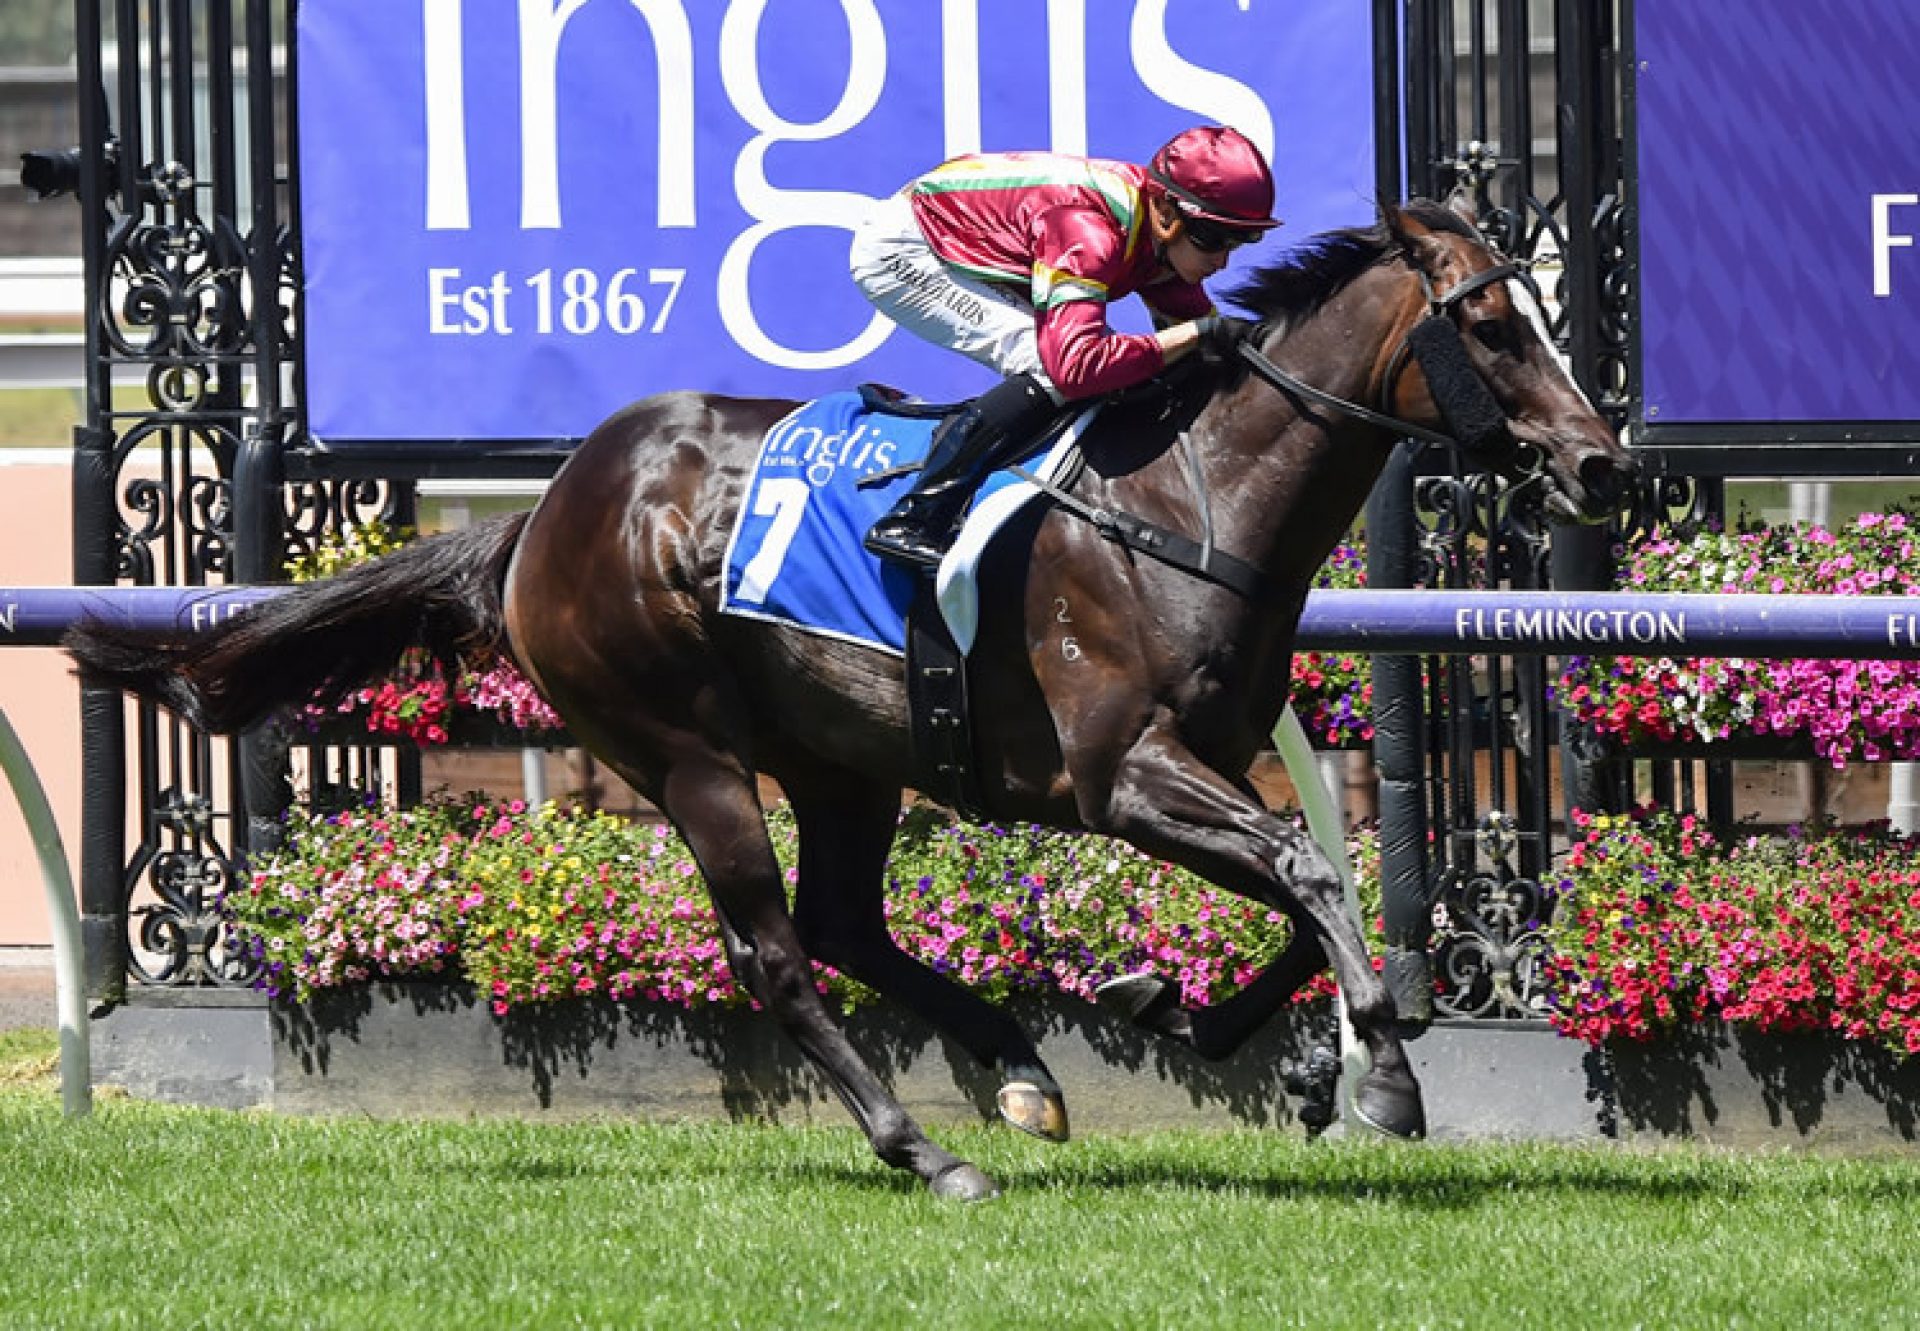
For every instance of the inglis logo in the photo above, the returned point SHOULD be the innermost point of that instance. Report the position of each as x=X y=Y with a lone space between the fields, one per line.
x=455 y=65
x=820 y=455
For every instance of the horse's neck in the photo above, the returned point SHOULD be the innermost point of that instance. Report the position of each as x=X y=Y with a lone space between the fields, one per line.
x=1291 y=482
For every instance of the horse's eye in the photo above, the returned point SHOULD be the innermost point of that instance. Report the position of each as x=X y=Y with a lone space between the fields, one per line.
x=1493 y=335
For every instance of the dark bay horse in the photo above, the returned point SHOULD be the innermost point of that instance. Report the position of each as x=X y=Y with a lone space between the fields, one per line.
x=1113 y=693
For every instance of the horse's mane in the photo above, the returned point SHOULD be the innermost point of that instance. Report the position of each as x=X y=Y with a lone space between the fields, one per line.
x=1307 y=277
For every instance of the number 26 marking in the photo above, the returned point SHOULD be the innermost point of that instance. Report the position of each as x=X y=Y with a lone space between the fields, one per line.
x=1069 y=649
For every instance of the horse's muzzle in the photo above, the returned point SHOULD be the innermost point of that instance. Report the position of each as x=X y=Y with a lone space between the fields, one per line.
x=1605 y=480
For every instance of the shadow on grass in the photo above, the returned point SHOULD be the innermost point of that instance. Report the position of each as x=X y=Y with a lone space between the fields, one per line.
x=1355 y=1177
x=1393 y=1174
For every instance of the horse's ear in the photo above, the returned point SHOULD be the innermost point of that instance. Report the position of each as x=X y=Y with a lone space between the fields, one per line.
x=1460 y=203
x=1421 y=243
x=1401 y=225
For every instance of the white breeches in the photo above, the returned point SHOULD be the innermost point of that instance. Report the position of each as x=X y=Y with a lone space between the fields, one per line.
x=905 y=280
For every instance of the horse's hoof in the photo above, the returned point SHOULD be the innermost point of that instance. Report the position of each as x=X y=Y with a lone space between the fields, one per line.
x=1391 y=1106
x=1149 y=1002
x=1038 y=1113
x=963 y=1183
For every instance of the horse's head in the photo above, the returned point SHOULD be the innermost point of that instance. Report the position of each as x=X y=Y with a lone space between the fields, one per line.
x=1475 y=358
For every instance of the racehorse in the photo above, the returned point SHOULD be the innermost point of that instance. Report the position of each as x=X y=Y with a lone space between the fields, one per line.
x=1113 y=693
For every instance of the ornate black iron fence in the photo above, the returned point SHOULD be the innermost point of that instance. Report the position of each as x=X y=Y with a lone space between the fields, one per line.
x=184 y=178
x=1515 y=102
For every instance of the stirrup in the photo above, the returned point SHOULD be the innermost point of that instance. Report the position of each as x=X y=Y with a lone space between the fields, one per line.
x=905 y=544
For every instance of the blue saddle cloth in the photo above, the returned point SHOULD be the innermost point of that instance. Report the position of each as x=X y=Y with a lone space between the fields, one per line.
x=795 y=556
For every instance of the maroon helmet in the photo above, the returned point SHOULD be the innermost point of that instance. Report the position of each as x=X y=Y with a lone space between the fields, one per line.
x=1216 y=176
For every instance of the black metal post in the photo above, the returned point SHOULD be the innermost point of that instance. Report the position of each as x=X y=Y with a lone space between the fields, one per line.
x=266 y=787
x=1582 y=556
x=1397 y=704
x=103 y=735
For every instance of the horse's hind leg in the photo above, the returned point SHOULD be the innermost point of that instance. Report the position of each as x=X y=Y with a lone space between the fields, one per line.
x=714 y=805
x=846 y=828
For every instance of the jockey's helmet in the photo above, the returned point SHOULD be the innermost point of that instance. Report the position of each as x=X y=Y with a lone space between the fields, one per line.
x=1216 y=176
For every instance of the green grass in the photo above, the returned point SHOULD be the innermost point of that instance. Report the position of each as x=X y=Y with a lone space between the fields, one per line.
x=143 y=1215
x=29 y=1058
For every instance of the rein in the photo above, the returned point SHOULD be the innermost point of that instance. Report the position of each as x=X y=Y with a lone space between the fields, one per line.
x=1298 y=388
x=1410 y=349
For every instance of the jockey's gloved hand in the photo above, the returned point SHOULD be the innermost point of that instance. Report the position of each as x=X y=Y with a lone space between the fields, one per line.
x=1222 y=334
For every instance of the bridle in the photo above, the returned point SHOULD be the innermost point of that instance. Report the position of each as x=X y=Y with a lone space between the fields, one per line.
x=1434 y=343
x=1442 y=307
x=1464 y=400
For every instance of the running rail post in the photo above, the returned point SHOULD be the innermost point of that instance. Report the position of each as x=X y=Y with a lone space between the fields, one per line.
x=1324 y=825
x=76 y=1058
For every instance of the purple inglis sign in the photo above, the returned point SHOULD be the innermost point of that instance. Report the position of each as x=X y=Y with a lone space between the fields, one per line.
x=518 y=215
x=1778 y=197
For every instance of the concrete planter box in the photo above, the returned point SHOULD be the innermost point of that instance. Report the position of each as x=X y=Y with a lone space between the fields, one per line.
x=435 y=1049
x=1736 y=1087
x=408 y=1049
x=426 y=1048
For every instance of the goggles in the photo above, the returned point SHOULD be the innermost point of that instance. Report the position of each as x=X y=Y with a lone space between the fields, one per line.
x=1212 y=238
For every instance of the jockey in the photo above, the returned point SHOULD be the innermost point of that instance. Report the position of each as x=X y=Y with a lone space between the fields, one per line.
x=1011 y=258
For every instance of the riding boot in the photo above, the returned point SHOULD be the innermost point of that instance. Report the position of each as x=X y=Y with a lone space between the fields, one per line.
x=991 y=431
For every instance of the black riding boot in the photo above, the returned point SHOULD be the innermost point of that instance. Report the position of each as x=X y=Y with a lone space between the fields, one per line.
x=992 y=430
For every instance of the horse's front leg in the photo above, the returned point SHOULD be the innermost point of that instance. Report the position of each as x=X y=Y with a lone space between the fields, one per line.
x=1217 y=1031
x=1168 y=802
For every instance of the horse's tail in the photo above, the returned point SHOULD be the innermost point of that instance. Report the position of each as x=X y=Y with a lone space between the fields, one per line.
x=318 y=641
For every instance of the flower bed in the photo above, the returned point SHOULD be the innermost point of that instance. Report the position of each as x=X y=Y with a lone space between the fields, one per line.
x=543 y=904
x=1663 y=927
x=419 y=703
x=1333 y=691
x=1846 y=710
x=1660 y=926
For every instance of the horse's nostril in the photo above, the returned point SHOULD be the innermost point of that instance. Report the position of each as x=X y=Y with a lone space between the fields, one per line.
x=1604 y=479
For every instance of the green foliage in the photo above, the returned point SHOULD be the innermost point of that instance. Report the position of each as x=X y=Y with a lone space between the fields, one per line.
x=37 y=33
x=1664 y=925
x=343 y=549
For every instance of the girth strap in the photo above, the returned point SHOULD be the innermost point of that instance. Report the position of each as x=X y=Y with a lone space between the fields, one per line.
x=1198 y=558
x=937 y=712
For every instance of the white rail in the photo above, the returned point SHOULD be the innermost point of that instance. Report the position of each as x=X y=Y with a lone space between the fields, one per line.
x=76 y=1052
